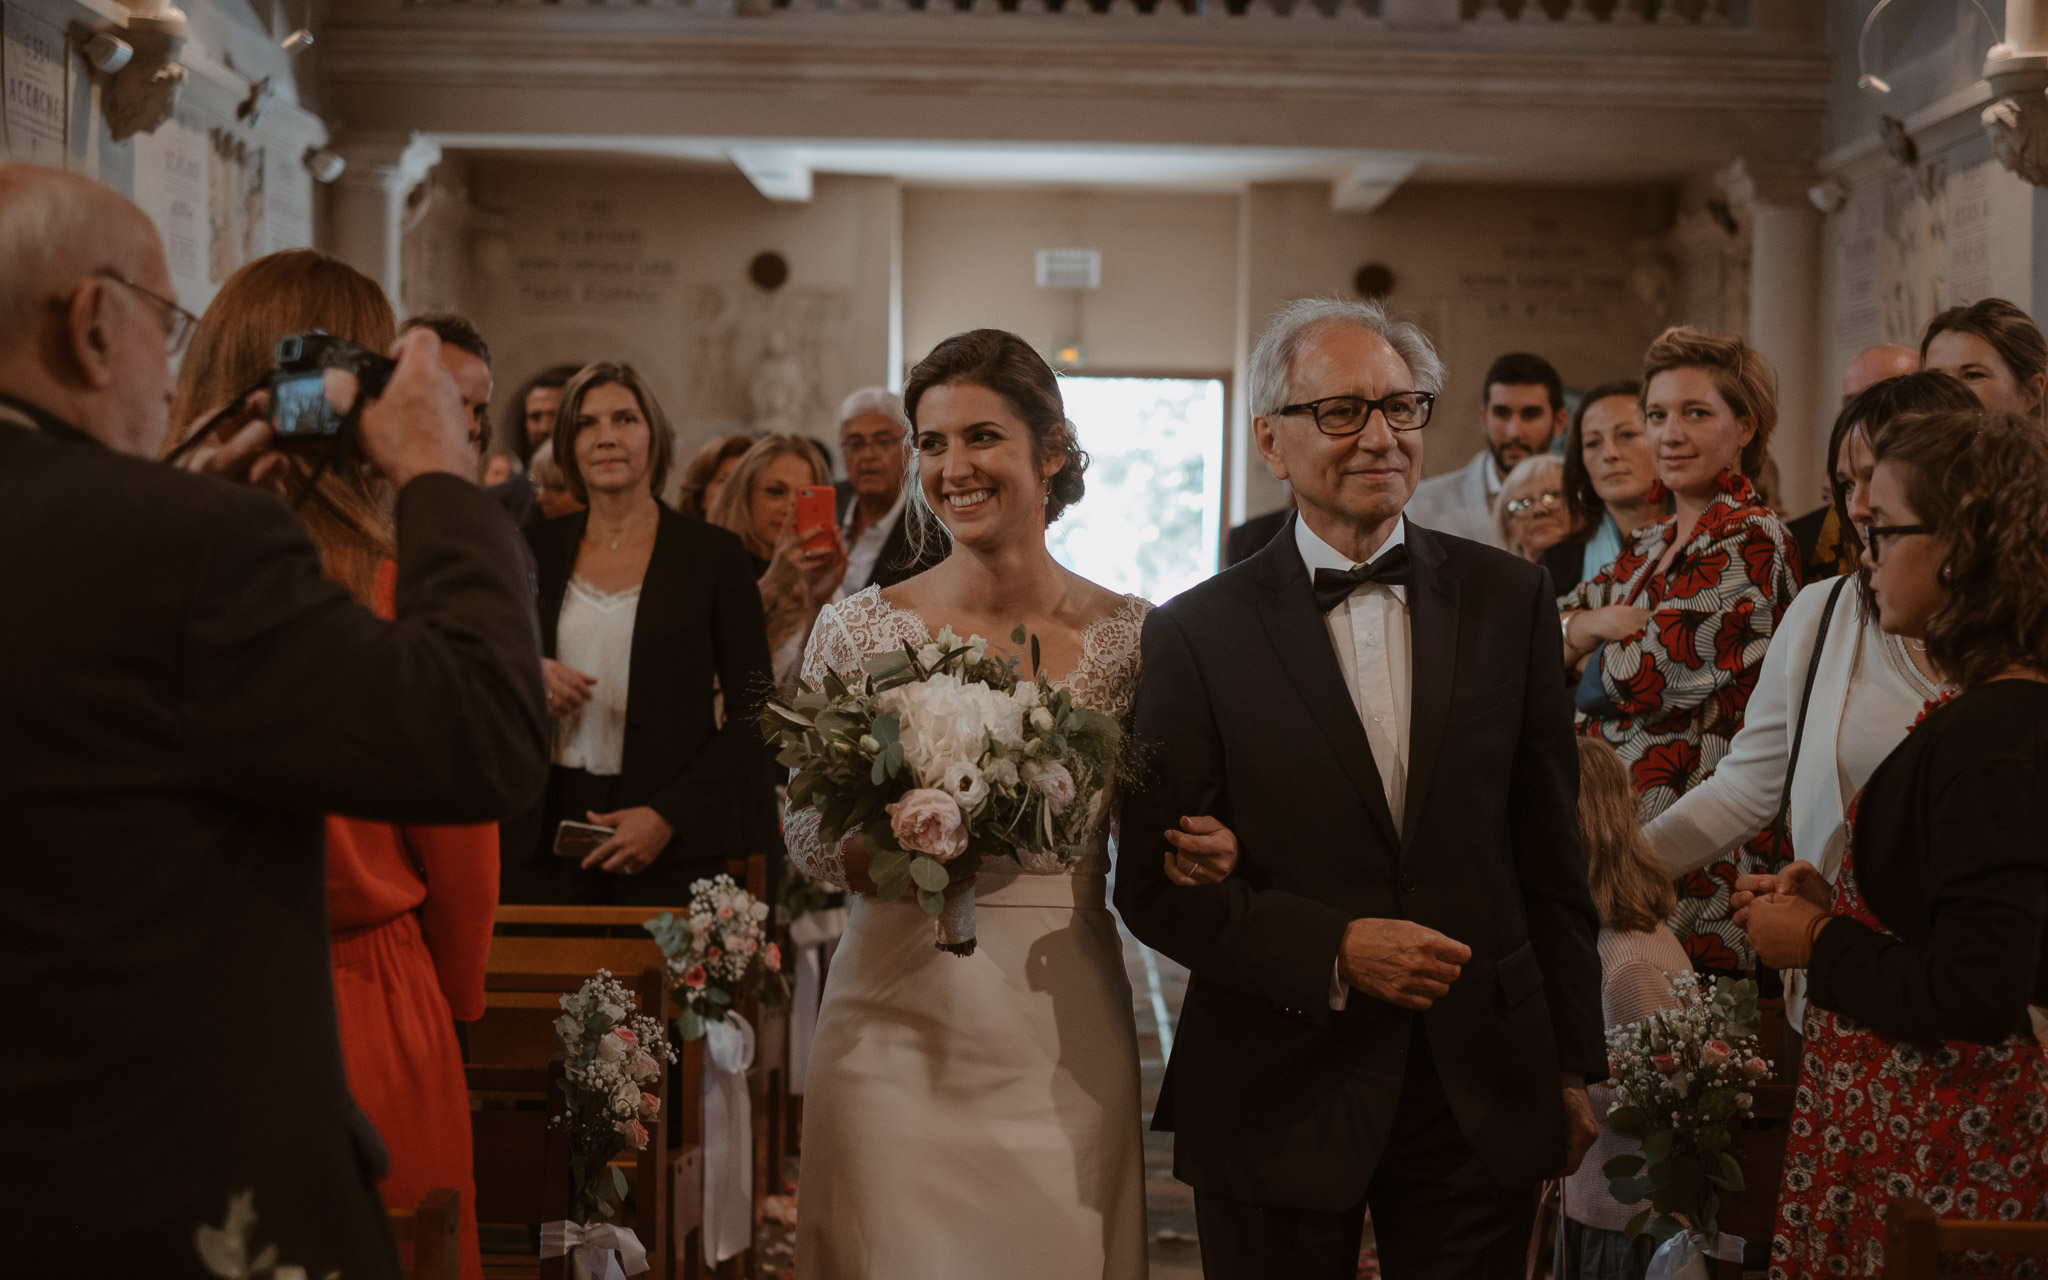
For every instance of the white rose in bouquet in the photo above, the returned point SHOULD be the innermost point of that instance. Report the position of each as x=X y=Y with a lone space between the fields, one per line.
x=944 y=719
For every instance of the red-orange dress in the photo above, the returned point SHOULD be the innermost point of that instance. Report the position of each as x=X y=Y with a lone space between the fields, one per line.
x=411 y=910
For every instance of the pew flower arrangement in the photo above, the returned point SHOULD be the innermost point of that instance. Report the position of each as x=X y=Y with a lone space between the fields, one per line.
x=943 y=756
x=612 y=1055
x=1681 y=1078
x=717 y=953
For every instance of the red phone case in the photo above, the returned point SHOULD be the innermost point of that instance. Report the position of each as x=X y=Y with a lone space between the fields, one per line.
x=814 y=509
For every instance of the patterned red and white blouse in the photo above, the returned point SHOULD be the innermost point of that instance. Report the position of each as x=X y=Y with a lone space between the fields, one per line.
x=1676 y=690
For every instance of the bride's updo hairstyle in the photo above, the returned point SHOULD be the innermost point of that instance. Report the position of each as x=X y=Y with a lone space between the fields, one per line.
x=1007 y=365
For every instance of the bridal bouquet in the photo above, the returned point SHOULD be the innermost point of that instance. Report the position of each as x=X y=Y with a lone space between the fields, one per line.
x=1681 y=1078
x=943 y=756
x=611 y=1056
x=717 y=953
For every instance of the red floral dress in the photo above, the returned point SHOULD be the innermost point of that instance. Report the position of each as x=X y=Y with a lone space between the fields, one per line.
x=1677 y=689
x=1963 y=1126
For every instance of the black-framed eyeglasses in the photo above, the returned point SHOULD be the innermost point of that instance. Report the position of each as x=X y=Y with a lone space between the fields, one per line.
x=1346 y=415
x=1545 y=501
x=1873 y=534
x=178 y=322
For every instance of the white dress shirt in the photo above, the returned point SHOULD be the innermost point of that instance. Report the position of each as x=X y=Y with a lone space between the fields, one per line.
x=1370 y=633
x=864 y=551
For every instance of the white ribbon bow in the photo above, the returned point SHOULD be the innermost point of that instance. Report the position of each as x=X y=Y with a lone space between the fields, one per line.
x=728 y=1139
x=813 y=935
x=599 y=1251
x=1684 y=1256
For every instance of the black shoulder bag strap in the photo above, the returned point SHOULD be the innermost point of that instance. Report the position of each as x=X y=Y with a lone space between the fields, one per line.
x=1820 y=642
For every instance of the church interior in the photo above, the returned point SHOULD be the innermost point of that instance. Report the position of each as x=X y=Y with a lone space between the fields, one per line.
x=766 y=205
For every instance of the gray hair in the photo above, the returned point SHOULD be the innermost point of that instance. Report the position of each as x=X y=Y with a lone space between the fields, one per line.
x=873 y=400
x=1529 y=470
x=1270 y=371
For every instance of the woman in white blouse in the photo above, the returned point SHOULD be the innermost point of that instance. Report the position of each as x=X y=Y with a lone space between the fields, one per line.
x=645 y=617
x=1859 y=694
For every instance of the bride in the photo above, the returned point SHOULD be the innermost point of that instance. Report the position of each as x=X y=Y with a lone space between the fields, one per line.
x=979 y=1115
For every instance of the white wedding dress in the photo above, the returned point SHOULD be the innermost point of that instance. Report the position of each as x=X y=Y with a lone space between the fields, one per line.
x=974 y=1117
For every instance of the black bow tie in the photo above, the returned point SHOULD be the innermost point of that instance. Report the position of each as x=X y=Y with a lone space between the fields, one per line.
x=1334 y=586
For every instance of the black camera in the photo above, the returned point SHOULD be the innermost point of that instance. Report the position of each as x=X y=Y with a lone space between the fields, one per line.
x=300 y=412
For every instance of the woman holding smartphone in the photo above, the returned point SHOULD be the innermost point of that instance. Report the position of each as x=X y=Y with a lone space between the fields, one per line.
x=779 y=500
x=647 y=619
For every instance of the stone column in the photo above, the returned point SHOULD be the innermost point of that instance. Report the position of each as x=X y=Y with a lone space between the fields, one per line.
x=1785 y=320
x=366 y=209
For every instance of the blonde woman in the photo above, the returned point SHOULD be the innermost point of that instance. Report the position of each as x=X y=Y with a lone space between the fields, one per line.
x=1637 y=956
x=796 y=579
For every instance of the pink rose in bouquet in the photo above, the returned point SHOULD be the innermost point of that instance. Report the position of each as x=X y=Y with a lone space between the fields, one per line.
x=928 y=821
x=649 y=1106
x=634 y=1133
x=1664 y=1062
x=694 y=976
x=1714 y=1052
x=774 y=956
x=626 y=1037
x=1757 y=1067
x=1052 y=781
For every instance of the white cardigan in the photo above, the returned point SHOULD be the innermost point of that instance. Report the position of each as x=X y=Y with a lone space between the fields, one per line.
x=1741 y=796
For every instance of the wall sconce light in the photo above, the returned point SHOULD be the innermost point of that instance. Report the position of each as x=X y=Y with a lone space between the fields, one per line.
x=108 y=52
x=298 y=42
x=325 y=165
x=143 y=94
x=1828 y=195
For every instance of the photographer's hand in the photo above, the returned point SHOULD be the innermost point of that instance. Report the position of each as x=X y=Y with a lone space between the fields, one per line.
x=239 y=446
x=417 y=426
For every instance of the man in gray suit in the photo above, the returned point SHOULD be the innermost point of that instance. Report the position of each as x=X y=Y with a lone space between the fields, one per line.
x=1524 y=413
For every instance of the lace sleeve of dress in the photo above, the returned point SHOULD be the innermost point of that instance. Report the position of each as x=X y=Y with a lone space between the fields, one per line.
x=1106 y=678
x=831 y=648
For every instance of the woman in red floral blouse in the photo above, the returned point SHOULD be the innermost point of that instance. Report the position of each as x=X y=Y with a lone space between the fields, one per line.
x=1671 y=635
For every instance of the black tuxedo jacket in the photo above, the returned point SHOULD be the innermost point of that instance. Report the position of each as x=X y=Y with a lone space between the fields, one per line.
x=699 y=631
x=182 y=698
x=900 y=559
x=1274 y=1098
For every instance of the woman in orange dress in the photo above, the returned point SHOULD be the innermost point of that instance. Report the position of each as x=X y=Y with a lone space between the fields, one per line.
x=410 y=908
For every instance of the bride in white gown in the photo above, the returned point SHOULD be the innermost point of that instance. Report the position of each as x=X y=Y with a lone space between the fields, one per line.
x=978 y=1116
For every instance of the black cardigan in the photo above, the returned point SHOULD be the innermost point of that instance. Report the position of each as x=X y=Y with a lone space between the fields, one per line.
x=699 y=630
x=1949 y=854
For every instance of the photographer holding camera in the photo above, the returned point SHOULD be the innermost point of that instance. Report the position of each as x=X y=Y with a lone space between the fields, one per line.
x=184 y=696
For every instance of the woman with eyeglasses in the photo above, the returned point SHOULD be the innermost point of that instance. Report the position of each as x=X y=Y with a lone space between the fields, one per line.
x=1530 y=517
x=1673 y=632
x=1610 y=483
x=1927 y=960
x=1832 y=681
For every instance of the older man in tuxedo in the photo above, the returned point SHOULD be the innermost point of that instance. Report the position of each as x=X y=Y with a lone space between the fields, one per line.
x=1396 y=992
x=183 y=697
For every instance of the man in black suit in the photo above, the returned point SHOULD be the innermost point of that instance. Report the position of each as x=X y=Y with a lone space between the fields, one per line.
x=1396 y=993
x=874 y=503
x=183 y=697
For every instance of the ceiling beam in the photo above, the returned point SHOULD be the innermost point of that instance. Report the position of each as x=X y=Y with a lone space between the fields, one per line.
x=776 y=172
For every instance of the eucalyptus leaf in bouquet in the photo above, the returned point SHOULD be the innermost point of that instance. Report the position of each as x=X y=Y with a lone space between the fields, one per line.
x=943 y=756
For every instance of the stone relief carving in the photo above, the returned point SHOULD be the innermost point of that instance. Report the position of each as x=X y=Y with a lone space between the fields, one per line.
x=2018 y=130
x=766 y=360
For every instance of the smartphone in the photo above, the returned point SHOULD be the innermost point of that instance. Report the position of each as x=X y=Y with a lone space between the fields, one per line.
x=816 y=508
x=577 y=839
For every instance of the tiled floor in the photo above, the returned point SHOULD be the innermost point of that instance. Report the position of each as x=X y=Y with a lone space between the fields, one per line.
x=1157 y=985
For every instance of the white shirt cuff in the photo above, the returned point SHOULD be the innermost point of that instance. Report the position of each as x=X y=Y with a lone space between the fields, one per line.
x=1340 y=992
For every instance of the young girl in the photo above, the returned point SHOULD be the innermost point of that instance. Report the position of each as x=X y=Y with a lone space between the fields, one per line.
x=1637 y=955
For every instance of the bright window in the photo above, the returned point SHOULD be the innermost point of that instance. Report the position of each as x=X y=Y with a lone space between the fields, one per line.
x=1151 y=521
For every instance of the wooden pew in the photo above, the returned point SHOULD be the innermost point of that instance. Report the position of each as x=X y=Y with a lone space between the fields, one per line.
x=524 y=980
x=1752 y=1212
x=522 y=1161
x=1915 y=1239
x=430 y=1228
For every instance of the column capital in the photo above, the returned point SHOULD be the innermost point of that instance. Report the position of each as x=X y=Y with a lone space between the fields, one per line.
x=392 y=162
x=1767 y=183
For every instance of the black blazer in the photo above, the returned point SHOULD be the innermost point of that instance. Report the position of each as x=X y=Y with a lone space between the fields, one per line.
x=182 y=698
x=1275 y=1099
x=699 y=630
x=1949 y=857
x=1567 y=562
x=1246 y=540
x=899 y=560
